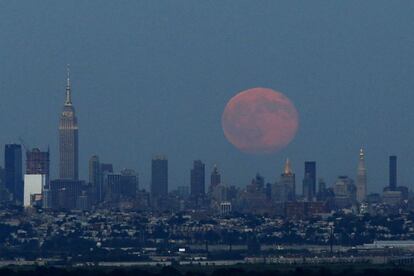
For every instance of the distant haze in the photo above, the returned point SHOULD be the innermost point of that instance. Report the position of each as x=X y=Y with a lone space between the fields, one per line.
x=154 y=77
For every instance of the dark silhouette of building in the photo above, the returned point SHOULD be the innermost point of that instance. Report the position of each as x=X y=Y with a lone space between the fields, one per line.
x=323 y=192
x=393 y=173
x=123 y=186
x=309 y=181
x=37 y=162
x=129 y=183
x=159 y=177
x=114 y=183
x=257 y=184
x=106 y=169
x=197 y=183
x=95 y=178
x=4 y=193
x=215 y=178
x=296 y=210
x=68 y=139
x=65 y=193
x=13 y=171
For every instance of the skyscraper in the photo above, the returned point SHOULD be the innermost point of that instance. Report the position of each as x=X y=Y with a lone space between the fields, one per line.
x=215 y=178
x=113 y=191
x=361 y=184
x=309 y=181
x=36 y=179
x=345 y=192
x=159 y=177
x=129 y=183
x=37 y=162
x=33 y=189
x=65 y=193
x=68 y=138
x=287 y=179
x=197 y=180
x=13 y=171
x=106 y=170
x=393 y=173
x=284 y=189
x=95 y=178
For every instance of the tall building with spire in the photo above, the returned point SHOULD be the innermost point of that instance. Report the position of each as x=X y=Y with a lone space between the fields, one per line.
x=68 y=138
x=288 y=179
x=285 y=189
x=361 y=183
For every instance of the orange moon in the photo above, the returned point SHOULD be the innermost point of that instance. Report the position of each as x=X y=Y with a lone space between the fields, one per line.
x=260 y=121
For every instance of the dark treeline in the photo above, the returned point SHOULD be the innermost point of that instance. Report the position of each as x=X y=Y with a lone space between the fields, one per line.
x=171 y=271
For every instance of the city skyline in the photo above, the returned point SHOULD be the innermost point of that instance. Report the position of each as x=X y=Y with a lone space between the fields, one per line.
x=207 y=137
x=159 y=93
x=69 y=169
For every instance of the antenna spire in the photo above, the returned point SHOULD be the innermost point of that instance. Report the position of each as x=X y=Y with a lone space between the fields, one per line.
x=68 y=88
x=288 y=169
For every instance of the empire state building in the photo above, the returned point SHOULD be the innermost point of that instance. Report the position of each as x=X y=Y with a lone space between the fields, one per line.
x=68 y=138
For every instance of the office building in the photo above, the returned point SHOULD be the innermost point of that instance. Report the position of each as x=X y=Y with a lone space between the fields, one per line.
x=95 y=178
x=37 y=162
x=68 y=139
x=36 y=179
x=65 y=193
x=13 y=171
x=113 y=191
x=361 y=183
x=106 y=169
x=309 y=181
x=345 y=192
x=159 y=177
x=33 y=189
x=129 y=183
x=215 y=178
x=287 y=179
x=197 y=181
x=280 y=192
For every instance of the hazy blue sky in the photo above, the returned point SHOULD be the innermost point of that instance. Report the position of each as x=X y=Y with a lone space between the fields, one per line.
x=154 y=76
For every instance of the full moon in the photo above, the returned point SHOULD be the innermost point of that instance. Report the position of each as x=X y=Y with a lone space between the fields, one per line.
x=260 y=121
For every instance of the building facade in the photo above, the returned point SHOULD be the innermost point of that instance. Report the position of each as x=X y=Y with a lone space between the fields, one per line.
x=215 y=178
x=33 y=189
x=37 y=162
x=13 y=171
x=68 y=139
x=287 y=179
x=197 y=179
x=345 y=192
x=95 y=178
x=159 y=177
x=309 y=181
x=361 y=183
x=65 y=193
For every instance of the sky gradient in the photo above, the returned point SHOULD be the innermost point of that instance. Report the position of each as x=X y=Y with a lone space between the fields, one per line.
x=153 y=77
